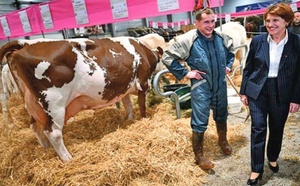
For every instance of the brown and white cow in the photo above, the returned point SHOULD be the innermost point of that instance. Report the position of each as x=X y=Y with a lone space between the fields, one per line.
x=59 y=78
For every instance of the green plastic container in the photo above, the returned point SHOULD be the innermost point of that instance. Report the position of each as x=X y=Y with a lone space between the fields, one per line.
x=173 y=87
x=185 y=103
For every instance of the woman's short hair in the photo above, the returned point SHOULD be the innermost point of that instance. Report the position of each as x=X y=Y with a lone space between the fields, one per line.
x=282 y=10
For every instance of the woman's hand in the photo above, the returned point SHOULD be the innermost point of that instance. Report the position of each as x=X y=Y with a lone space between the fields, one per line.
x=244 y=100
x=228 y=70
x=294 y=107
x=195 y=74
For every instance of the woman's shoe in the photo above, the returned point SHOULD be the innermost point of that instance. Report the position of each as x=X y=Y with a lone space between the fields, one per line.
x=255 y=181
x=274 y=169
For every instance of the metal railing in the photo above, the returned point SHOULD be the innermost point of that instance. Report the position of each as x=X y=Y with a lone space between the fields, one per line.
x=168 y=93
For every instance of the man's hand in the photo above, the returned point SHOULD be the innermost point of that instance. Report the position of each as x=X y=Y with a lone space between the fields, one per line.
x=195 y=74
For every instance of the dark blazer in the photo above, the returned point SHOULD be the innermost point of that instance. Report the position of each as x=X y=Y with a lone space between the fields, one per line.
x=256 y=69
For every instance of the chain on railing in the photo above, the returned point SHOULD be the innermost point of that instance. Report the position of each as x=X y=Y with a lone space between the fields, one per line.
x=242 y=62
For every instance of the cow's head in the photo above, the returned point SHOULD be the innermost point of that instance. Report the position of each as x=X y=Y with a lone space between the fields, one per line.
x=158 y=53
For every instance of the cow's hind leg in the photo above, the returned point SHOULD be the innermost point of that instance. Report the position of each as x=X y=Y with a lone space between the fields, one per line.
x=56 y=139
x=38 y=130
x=128 y=107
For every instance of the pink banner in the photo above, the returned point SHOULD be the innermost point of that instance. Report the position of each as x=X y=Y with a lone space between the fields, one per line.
x=169 y=24
x=99 y=12
x=244 y=14
x=15 y=24
x=216 y=3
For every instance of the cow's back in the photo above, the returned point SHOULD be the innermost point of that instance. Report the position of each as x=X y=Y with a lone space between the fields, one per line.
x=127 y=62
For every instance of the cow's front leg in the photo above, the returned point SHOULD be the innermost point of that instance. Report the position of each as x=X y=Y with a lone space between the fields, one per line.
x=56 y=139
x=142 y=103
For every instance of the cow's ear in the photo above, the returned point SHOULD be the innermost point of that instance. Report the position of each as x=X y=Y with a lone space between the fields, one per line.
x=8 y=55
x=160 y=51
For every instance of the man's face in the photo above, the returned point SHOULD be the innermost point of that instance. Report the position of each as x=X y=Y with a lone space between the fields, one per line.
x=206 y=25
x=297 y=17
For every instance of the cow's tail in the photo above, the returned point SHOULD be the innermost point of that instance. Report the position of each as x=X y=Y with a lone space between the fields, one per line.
x=8 y=48
x=5 y=51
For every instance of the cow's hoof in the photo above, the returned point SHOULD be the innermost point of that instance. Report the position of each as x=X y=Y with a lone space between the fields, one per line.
x=66 y=158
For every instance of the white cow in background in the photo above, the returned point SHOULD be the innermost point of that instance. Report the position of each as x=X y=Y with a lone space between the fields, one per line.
x=152 y=41
x=238 y=33
x=9 y=87
x=8 y=83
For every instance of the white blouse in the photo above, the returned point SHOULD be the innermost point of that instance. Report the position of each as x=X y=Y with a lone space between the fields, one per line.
x=275 y=54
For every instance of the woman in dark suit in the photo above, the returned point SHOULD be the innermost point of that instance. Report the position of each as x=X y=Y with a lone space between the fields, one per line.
x=271 y=86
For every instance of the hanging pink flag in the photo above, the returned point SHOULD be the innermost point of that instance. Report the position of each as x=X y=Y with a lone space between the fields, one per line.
x=216 y=3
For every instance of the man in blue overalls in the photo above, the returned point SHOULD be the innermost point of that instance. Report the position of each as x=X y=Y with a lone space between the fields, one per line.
x=209 y=56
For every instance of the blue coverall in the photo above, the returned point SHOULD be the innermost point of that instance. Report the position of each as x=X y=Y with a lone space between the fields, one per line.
x=209 y=55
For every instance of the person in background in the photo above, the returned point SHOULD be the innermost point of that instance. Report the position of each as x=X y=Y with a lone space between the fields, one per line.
x=271 y=87
x=295 y=25
x=210 y=56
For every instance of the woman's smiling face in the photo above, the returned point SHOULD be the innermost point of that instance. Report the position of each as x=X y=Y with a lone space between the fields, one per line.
x=275 y=25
